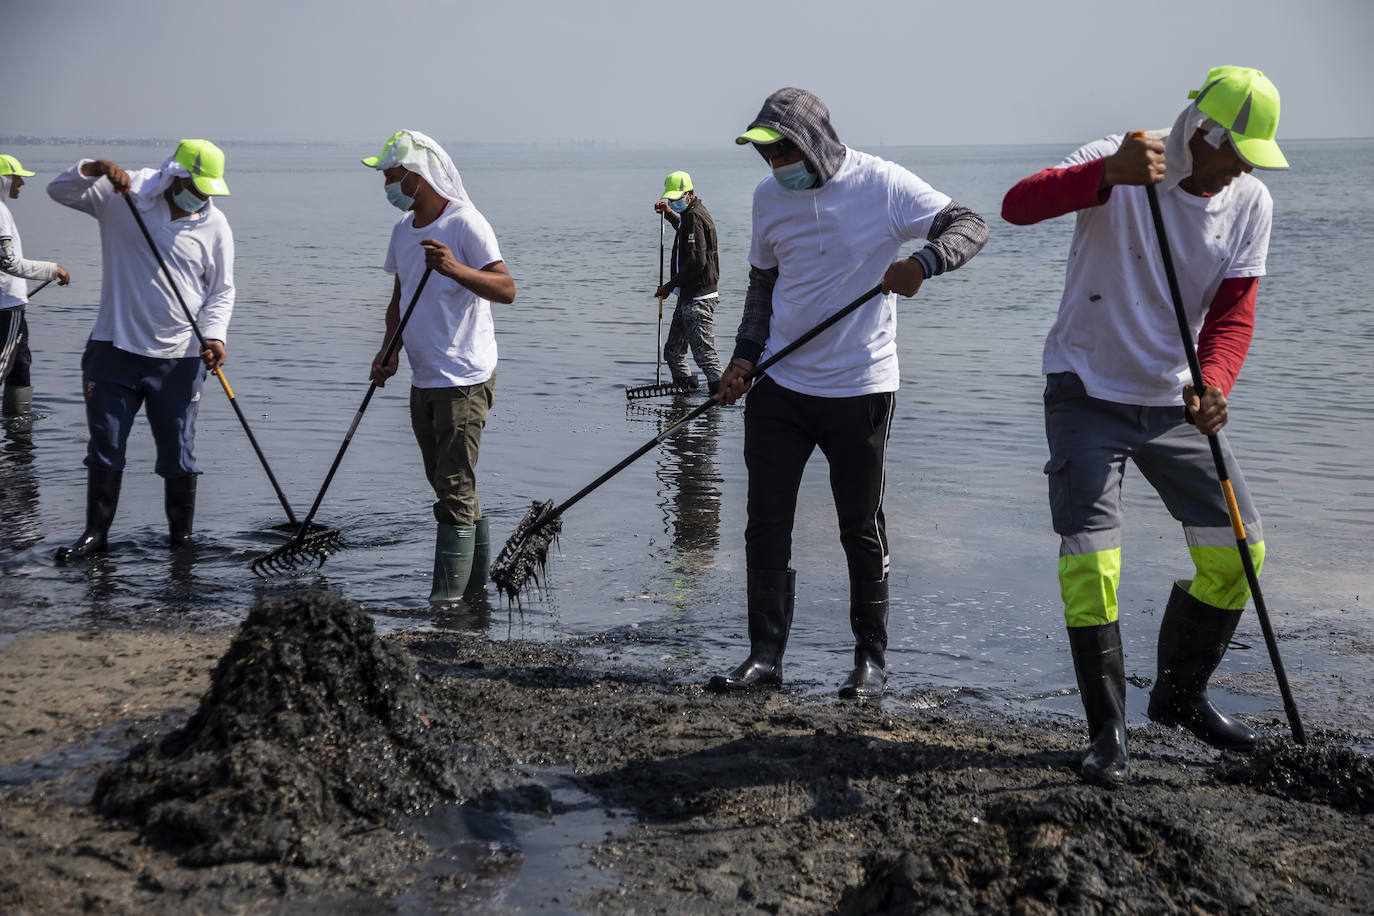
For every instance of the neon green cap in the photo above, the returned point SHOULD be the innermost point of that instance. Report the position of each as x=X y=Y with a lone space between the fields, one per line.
x=676 y=184
x=10 y=166
x=759 y=135
x=373 y=162
x=1246 y=103
x=205 y=162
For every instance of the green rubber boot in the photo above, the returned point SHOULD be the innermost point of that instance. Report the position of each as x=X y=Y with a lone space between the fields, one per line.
x=18 y=401
x=481 y=556
x=453 y=547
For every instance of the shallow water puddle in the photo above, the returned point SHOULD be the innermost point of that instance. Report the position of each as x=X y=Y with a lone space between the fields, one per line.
x=505 y=861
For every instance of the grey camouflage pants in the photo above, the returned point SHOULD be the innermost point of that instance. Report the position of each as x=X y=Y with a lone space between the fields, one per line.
x=694 y=326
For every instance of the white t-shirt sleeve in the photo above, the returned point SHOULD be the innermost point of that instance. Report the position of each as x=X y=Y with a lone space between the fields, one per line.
x=1254 y=246
x=1089 y=152
x=912 y=204
x=761 y=254
x=389 y=265
x=478 y=247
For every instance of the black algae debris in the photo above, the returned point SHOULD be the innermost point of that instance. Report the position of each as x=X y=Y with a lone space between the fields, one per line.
x=1316 y=772
x=525 y=557
x=313 y=731
x=1079 y=851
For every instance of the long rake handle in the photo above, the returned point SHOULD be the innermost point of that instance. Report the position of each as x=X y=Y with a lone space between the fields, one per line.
x=219 y=373
x=391 y=346
x=1237 y=525
x=658 y=359
x=40 y=286
x=700 y=409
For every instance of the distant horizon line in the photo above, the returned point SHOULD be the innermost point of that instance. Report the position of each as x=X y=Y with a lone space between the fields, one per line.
x=63 y=140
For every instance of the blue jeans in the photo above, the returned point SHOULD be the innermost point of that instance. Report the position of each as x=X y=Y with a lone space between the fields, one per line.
x=116 y=383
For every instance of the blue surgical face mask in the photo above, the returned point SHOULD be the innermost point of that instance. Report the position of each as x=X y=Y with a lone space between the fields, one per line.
x=398 y=198
x=188 y=200
x=795 y=177
x=678 y=205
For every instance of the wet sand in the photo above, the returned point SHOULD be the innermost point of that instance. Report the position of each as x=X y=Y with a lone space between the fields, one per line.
x=775 y=804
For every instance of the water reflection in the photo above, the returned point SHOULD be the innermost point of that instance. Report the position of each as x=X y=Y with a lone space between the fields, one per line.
x=689 y=485
x=18 y=490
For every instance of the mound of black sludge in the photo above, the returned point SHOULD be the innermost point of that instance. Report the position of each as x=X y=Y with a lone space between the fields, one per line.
x=313 y=730
x=1323 y=772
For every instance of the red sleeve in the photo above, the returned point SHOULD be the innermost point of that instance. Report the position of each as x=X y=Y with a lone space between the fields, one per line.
x=1226 y=332
x=1054 y=192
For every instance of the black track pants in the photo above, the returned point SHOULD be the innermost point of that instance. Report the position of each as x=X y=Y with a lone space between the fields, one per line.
x=781 y=429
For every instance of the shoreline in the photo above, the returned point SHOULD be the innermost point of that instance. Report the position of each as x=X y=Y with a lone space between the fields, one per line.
x=775 y=803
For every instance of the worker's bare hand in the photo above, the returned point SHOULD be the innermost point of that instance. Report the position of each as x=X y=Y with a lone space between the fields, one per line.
x=118 y=177
x=63 y=278
x=1138 y=161
x=213 y=354
x=904 y=277
x=441 y=259
x=1208 y=412
x=732 y=381
x=383 y=371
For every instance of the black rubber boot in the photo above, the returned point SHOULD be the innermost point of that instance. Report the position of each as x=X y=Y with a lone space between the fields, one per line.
x=685 y=382
x=179 y=501
x=452 y=561
x=868 y=620
x=102 y=498
x=481 y=556
x=1192 y=639
x=1101 y=670
x=772 y=596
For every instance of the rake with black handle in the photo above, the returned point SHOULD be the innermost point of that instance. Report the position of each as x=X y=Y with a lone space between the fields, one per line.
x=1237 y=525
x=316 y=546
x=218 y=372
x=658 y=388
x=527 y=551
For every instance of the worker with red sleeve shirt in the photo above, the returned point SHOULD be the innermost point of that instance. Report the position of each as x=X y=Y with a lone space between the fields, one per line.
x=1116 y=375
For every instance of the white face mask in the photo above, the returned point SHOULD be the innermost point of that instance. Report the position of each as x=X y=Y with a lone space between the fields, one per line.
x=398 y=198
x=188 y=200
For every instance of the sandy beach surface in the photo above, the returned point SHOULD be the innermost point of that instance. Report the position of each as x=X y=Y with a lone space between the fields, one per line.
x=582 y=787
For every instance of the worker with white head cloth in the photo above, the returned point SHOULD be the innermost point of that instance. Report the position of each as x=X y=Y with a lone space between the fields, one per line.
x=450 y=341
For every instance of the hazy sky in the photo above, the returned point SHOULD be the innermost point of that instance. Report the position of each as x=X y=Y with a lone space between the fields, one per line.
x=643 y=72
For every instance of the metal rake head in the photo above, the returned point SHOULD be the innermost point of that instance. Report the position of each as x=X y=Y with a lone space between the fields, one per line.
x=655 y=391
x=314 y=546
x=526 y=555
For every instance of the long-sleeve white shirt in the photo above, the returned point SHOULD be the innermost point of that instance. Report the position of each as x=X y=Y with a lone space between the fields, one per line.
x=14 y=270
x=139 y=313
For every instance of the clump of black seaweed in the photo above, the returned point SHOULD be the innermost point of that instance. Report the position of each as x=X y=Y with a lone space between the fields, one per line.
x=313 y=730
x=525 y=557
x=1317 y=772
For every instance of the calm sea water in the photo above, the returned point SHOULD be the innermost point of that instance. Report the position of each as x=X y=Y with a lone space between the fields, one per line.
x=651 y=565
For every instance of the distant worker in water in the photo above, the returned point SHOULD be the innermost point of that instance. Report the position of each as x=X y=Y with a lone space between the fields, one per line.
x=828 y=225
x=15 y=272
x=1117 y=387
x=142 y=351
x=449 y=341
x=695 y=266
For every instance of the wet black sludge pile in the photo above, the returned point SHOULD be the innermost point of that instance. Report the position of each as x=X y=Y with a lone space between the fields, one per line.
x=1320 y=771
x=313 y=731
x=1078 y=850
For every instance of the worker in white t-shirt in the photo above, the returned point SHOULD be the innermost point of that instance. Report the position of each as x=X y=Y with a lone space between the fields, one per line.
x=829 y=223
x=143 y=351
x=449 y=341
x=1117 y=387
x=15 y=271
